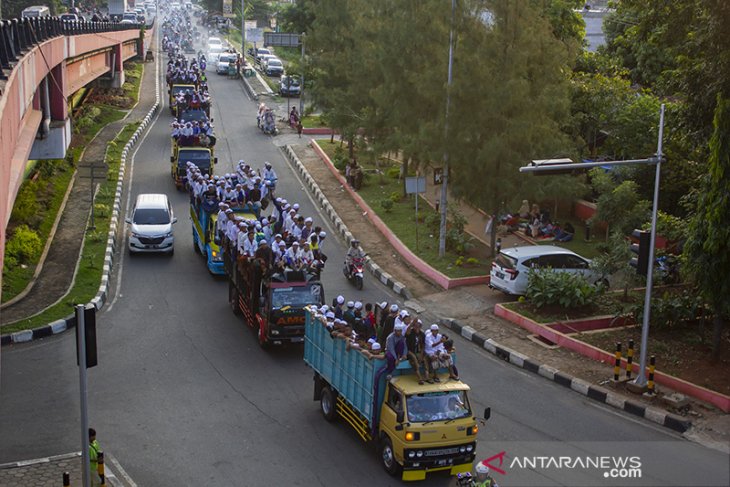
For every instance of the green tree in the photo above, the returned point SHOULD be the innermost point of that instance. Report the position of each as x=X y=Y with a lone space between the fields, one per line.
x=518 y=66
x=297 y=17
x=619 y=205
x=708 y=247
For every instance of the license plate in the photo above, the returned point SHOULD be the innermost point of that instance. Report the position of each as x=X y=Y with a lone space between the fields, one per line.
x=500 y=275
x=297 y=340
x=441 y=463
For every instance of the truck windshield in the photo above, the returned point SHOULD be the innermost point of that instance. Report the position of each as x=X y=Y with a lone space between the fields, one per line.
x=295 y=296
x=437 y=406
x=198 y=157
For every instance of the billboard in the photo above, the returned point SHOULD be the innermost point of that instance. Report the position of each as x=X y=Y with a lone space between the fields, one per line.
x=228 y=8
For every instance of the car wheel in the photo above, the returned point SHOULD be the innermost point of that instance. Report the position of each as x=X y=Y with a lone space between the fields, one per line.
x=387 y=457
x=327 y=404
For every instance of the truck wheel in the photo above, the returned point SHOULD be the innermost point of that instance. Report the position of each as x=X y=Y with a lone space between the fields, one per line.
x=233 y=299
x=263 y=342
x=387 y=456
x=327 y=404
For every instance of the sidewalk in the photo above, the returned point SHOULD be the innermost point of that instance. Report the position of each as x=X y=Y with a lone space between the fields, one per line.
x=48 y=472
x=58 y=272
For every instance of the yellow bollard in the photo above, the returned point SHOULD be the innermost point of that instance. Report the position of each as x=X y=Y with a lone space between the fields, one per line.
x=617 y=362
x=629 y=358
x=650 y=383
x=100 y=468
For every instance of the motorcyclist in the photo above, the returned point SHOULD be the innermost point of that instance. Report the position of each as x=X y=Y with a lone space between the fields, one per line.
x=483 y=479
x=353 y=253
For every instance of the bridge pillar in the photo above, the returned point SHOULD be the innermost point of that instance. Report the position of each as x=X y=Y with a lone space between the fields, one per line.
x=117 y=66
x=54 y=133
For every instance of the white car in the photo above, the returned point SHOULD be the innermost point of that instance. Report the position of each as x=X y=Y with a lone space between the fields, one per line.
x=511 y=266
x=150 y=226
x=215 y=42
x=224 y=60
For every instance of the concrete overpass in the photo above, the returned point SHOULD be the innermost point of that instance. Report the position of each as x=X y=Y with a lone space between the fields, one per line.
x=43 y=61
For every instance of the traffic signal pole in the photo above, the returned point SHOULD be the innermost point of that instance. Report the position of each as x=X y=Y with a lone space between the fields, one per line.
x=641 y=377
x=554 y=166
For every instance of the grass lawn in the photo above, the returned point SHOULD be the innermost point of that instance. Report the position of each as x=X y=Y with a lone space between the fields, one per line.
x=133 y=71
x=90 y=269
x=402 y=222
x=313 y=121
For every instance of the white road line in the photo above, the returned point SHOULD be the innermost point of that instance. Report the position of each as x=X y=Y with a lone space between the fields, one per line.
x=120 y=471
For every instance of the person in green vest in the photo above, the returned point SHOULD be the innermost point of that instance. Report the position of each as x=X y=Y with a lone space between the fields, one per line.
x=483 y=478
x=94 y=450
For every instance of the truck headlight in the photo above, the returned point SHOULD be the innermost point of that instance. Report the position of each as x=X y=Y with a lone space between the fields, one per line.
x=462 y=449
x=419 y=454
x=469 y=448
x=411 y=454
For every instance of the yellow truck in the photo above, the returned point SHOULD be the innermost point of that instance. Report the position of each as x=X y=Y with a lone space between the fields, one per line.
x=415 y=428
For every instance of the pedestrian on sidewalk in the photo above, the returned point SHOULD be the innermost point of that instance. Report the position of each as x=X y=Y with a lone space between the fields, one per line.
x=300 y=127
x=94 y=450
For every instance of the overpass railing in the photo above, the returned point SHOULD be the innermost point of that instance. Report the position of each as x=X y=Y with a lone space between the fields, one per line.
x=17 y=36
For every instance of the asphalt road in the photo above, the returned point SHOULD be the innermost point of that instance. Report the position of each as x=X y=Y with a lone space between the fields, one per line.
x=183 y=394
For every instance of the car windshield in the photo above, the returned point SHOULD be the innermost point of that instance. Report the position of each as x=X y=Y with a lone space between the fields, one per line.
x=296 y=296
x=274 y=62
x=294 y=82
x=437 y=406
x=198 y=157
x=151 y=216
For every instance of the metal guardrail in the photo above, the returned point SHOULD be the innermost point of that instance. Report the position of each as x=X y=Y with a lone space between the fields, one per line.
x=17 y=36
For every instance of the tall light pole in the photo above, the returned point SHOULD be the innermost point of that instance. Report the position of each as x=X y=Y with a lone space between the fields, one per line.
x=559 y=167
x=641 y=378
x=243 y=32
x=445 y=177
x=301 y=84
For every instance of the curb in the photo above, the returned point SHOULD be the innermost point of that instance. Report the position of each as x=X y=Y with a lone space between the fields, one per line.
x=98 y=301
x=385 y=278
x=597 y=393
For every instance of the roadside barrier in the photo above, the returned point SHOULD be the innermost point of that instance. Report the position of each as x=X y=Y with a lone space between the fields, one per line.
x=617 y=362
x=629 y=358
x=100 y=468
x=650 y=383
x=66 y=479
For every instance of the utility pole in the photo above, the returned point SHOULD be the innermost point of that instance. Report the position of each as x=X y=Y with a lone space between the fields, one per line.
x=445 y=178
x=81 y=347
x=301 y=91
x=243 y=32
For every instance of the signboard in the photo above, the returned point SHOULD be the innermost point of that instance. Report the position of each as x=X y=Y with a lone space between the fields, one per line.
x=254 y=34
x=228 y=8
x=415 y=185
x=281 y=39
x=251 y=24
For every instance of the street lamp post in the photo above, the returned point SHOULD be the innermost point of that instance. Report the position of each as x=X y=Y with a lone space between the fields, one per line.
x=443 y=204
x=243 y=32
x=559 y=166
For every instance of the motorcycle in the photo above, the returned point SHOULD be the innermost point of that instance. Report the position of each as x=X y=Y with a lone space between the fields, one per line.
x=667 y=269
x=354 y=272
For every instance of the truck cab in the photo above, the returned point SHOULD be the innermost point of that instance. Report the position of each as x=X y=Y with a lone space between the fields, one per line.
x=426 y=428
x=200 y=156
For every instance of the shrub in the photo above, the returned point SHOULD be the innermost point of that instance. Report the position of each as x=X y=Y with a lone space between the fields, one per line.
x=548 y=287
x=25 y=245
x=395 y=196
x=458 y=242
x=340 y=158
x=26 y=209
x=459 y=261
x=432 y=221
x=101 y=210
x=393 y=172
x=472 y=261
x=386 y=204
